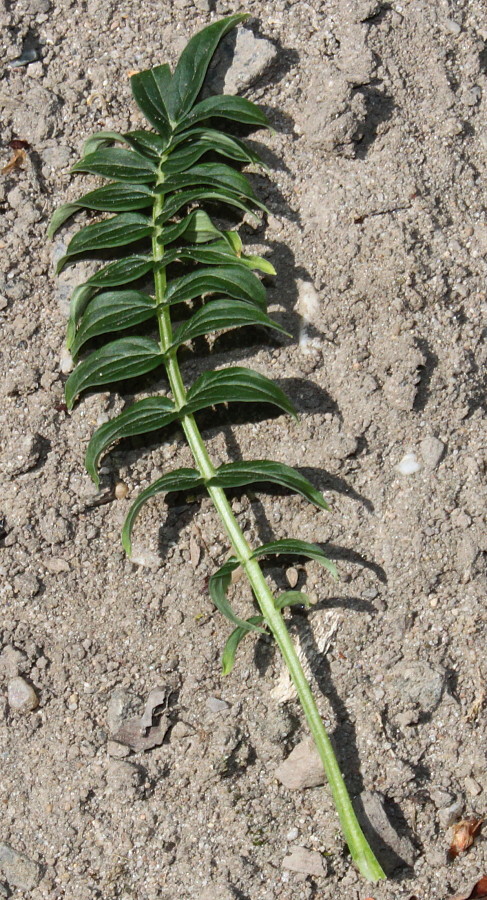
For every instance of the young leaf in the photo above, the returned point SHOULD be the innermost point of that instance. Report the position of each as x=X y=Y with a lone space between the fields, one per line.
x=238 y=109
x=112 y=311
x=292 y=598
x=180 y=480
x=141 y=417
x=238 y=474
x=193 y=63
x=216 y=175
x=214 y=254
x=218 y=586
x=233 y=281
x=79 y=300
x=197 y=227
x=115 y=232
x=207 y=139
x=122 y=165
x=220 y=314
x=183 y=198
x=149 y=89
x=114 y=197
x=121 y=272
x=235 y=385
x=291 y=547
x=231 y=646
x=125 y=358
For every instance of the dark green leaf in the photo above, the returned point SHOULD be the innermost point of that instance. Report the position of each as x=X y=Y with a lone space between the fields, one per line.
x=235 y=385
x=216 y=175
x=114 y=197
x=115 y=232
x=147 y=143
x=125 y=358
x=122 y=165
x=101 y=139
x=292 y=598
x=291 y=547
x=193 y=63
x=238 y=474
x=79 y=300
x=142 y=417
x=220 y=314
x=121 y=272
x=150 y=90
x=214 y=254
x=218 y=585
x=176 y=202
x=232 y=281
x=231 y=646
x=59 y=217
x=207 y=139
x=238 y=109
x=197 y=227
x=180 y=480
x=113 y=311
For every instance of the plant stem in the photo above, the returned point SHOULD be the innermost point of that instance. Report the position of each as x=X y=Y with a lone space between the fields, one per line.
x=354 y=836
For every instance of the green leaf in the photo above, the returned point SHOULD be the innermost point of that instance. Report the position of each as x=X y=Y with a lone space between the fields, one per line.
x=149 y=89
x=79 y=300
x=141 y=417
x=176 y=202
x=291 y=547
x=216 y=175
x=232 y=281
x=238 y=109
x=235 y=385
x=231 y=646
x=114 y=197
x=292 y=598
x=147 y=143
x=59 y=217
x=101 y=139
x=205 y=140
x=238 y=474
x=214 y=254
x=125 y=358
x=112 y=311
x=122 y=165
x=193 y=63
x=180 y=480
x=220 y=314
x=197 y=227
x=121 y=272
x=218 y=586
x=115 y=232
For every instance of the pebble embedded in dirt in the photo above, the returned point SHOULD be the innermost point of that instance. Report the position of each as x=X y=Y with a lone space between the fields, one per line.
x=240 y=61
x=21 y=695
x=432 y=451
x=395 y=849
x=19 y=871
x=21 y=454
x=302 y=768
x=306 y=862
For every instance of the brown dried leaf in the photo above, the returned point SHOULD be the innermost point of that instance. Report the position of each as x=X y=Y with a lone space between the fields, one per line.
x=16 y=161
x=464 y=833
x=474 y=893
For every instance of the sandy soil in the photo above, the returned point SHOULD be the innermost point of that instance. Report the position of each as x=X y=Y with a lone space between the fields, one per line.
x=379 y=235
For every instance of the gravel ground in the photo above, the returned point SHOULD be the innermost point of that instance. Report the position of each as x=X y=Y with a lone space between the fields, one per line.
x=378 y=232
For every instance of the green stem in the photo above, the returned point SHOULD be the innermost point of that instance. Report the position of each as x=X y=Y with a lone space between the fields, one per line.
x=354 y=836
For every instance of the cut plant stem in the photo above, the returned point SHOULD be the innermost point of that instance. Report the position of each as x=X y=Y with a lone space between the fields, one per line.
x=354 y=836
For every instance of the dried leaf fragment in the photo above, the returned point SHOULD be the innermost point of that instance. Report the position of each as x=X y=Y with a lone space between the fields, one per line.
x=464 y=834
x=16 y=161
x=477 y=891
x=194 y=551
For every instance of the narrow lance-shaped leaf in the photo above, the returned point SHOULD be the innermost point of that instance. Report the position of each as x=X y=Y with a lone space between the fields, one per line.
x=122 y=271
x=219 y=314
x=114 y=197
x=176 y=202
x=231 y=646
x=207 y=139
x=118 y=231
x=149 y=89
x=112 y=311
x=180 y=480
x=125 y=358
x=122 y=165
x=193 y=63
x=196 y=227
x=292 y=547
x=238 y=474
x=218 y=586
x=238 y=109
x=145 y=142
x=292 y=598
x=79 y=300
x=233 y=281
x=216 y=175
x=235 y=384
x=142 y=417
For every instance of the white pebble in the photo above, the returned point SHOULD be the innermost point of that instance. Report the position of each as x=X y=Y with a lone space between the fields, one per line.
x=292 y=834
x=408 y=464
x=21 y=695
x=215 y=705
x=66 y=364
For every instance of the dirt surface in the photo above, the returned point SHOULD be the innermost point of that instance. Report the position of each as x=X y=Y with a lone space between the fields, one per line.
x=379 y=234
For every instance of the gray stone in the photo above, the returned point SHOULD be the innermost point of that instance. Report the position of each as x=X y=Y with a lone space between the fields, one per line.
x=432 y=450
x=19 y=870
x=450 y=814
x=417 y=682
x=21 y=454
x=215 y=705
x=307 y=862
x=21 y=695
x=393 y=850
x=240 y=60
x=12 y=661
x=303 y=767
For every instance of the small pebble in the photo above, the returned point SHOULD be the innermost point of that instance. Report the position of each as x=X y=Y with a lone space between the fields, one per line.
x=121 y=490
x=292 y=834
x=21 y=695
x=408 y=464
x=66 y=363
x=432 y=450
x=215 y=705
x=472 y=786
x=308 y=862
x=19 y=870
x=292 y=576
x=302 y=768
